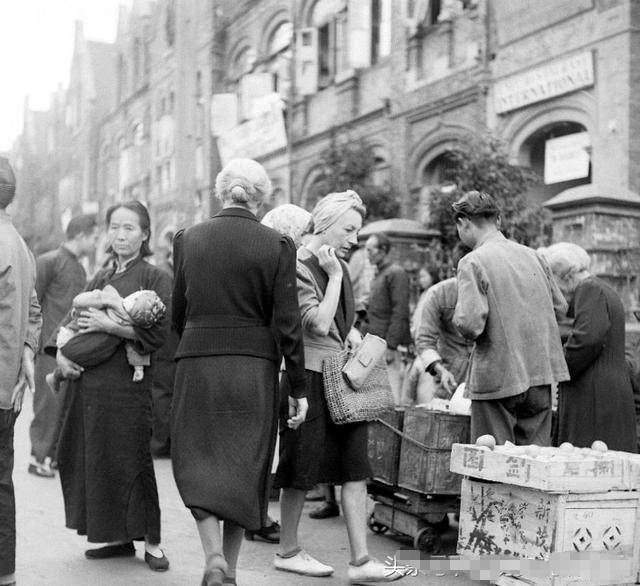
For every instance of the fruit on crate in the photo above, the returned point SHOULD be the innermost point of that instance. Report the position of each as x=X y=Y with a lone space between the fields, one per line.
x=486 y=440
x=599 y=446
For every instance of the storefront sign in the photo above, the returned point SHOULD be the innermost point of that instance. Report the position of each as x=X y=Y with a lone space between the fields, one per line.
x=255 y=138
x=566 y=158
x=544 y=82
x=224 y=113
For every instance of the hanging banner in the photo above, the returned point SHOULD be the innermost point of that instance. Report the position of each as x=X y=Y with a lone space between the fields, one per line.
x=256 y=137
x=566 y=158
x=224 y=113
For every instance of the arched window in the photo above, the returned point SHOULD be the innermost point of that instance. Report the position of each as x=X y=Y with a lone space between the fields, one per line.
x=329 y=18
x=560 y=153
x=242 y=63
x=280 y=38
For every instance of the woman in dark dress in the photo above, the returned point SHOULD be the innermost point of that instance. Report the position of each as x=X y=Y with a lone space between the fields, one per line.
x=107 y=475
x=321 y=451
x=597 y=403
x=236 y=310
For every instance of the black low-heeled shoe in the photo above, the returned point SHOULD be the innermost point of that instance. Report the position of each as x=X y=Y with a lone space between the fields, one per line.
x=156 y=564
x=270 y=533
x=111 y=551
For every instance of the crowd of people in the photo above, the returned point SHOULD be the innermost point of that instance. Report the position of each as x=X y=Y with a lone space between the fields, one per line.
x=211 y=359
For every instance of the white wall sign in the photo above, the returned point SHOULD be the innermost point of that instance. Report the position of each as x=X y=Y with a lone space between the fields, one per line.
x=544 y=82
x=256 y=137
x=224 y=113
x=566 y=158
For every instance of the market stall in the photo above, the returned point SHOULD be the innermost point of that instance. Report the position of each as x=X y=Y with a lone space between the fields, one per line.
x=574 y=511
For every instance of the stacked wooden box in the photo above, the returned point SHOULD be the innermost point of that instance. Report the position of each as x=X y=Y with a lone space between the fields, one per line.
x=420 y=460
x=575 y=502
x=384 y=446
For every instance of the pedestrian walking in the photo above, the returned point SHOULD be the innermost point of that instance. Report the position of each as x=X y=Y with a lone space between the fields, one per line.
x=60 y=276
x=321 y=451
x=20 y=325
x=597 y=403
x=106 y=470
x=507 y=304
x=388 y=308
x=236 y=310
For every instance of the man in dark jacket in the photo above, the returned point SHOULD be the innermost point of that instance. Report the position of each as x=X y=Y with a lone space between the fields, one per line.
x=388 y=309
x=60 y=277
x=507 y=298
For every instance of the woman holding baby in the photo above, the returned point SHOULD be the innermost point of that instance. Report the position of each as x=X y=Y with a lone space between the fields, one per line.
x=106 y=470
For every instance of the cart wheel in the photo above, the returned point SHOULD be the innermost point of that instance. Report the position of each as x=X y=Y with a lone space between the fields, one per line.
x=428 y=540
x=376 y=527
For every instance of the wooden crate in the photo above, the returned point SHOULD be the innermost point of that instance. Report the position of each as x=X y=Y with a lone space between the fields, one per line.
x=512 y=521
x=426 y=469
x=384 y=446
x=599 y=473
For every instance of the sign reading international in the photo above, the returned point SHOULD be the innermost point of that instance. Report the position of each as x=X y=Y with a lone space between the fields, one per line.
x=544 y=82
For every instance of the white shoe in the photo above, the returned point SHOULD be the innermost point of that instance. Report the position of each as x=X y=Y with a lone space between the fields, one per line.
x=302 y=563
x=373 y=571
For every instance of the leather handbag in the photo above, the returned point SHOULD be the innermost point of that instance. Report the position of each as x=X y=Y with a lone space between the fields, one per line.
x=347 y=405
x=363 y=361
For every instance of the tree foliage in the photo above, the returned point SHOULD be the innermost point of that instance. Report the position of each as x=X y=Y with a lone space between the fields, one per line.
x=482 y=164
x=350 y=164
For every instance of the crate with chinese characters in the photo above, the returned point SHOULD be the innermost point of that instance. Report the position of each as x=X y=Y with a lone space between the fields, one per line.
x=550 y=469
x=425 y=451
x=579 y=538
x=384 y=445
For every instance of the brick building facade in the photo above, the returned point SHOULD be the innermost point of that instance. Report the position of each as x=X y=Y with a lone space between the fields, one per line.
x=193 y=82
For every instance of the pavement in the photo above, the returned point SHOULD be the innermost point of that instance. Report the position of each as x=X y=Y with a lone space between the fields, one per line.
x=48 y=554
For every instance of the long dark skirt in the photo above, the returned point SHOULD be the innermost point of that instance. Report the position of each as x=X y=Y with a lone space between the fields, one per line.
x=223 y=432
x=319 y=450
x=106 y=470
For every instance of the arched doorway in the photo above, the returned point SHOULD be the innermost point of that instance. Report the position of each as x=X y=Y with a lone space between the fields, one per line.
x=560 y=153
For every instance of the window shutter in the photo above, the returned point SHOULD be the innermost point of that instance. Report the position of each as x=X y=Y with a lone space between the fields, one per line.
x=307 y=61
x=359 y=16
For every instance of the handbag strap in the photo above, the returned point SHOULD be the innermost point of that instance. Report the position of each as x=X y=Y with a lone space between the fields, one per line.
x=408 y=437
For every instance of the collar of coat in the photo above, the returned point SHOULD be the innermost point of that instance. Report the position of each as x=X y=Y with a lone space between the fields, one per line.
x=237 y=212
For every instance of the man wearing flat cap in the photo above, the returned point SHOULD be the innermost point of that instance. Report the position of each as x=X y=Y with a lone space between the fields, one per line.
x=20 y=323
x=507 y=304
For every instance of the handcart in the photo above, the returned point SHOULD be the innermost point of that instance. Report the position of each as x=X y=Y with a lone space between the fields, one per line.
x=412 y=486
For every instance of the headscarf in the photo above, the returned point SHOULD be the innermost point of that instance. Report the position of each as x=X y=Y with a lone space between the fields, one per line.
x=288 y=219
x=332 y=207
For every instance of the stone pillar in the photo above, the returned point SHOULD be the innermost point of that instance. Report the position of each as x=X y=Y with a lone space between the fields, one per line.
x=606 y=223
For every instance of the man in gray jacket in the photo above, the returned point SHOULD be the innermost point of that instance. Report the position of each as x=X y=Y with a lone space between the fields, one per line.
x=20 y=323
x=507 y=303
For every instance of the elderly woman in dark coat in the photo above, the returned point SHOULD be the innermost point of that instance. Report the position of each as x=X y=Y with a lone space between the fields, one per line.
x=597 y=403
x=107 y=476
x=236 y=310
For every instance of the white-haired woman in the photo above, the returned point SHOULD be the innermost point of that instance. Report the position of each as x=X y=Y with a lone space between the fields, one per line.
x=321 y=451
x=234 y=280
x=597 y=403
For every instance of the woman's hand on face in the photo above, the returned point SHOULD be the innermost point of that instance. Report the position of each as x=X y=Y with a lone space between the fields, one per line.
x=94 y=320
x=69 y=369
x=329 y=261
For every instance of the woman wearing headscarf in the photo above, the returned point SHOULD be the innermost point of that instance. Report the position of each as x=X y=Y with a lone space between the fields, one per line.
x=236 y=310
x=321 y=451
x=597 y=403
